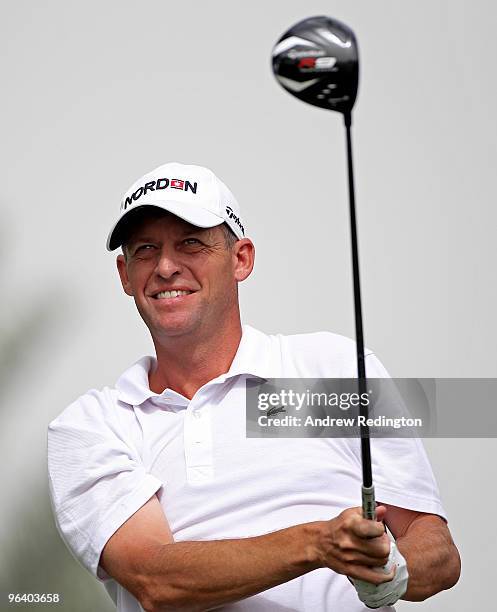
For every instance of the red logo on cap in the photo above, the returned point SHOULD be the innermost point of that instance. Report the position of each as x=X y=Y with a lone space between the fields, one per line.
x=307 y=62
x=177 y=184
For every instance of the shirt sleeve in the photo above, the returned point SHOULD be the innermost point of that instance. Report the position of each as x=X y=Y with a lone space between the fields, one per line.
x=97 y=479
x=402 y=473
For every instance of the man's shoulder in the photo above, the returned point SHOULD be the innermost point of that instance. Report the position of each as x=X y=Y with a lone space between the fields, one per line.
x=109 y=403
x=93 y=407
x=320 y=353
x=321 y=339
x=321 y=343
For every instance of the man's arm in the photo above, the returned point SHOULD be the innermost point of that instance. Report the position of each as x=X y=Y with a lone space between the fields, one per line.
x=432 y=558
x=164 y=575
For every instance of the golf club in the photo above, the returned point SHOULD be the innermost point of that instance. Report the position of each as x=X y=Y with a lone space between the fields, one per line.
x=317 y=61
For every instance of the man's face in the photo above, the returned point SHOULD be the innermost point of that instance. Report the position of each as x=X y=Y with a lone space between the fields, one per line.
x=167 y=255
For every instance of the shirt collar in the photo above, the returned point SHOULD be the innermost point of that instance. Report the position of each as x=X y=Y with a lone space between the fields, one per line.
x=132 y=386
x=253 y=358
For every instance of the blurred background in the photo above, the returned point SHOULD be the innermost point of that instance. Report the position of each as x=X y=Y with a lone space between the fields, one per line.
x=95 y=94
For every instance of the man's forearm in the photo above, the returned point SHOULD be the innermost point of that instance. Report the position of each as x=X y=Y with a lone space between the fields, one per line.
x=432 y=559
x=166 y=575
x=204 y=575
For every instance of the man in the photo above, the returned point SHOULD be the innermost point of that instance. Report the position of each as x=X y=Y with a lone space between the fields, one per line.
x=155 y=486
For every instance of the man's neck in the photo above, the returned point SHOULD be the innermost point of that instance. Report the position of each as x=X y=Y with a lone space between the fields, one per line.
x=184 y=365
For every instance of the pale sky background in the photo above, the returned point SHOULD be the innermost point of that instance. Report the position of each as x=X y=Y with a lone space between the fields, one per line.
x=95 y=94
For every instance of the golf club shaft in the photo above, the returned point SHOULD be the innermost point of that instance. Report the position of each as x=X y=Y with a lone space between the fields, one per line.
x=368 y=498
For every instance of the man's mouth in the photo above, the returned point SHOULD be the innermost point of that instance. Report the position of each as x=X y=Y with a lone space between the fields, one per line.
x=171 y=294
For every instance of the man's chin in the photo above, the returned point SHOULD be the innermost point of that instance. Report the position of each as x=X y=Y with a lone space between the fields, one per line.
x=173 y=327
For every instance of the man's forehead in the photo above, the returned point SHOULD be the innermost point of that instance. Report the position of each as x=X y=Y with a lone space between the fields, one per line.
x=166 y=221
x=150 y=222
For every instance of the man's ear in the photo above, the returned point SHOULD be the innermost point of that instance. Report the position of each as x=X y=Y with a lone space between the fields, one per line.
x=244 y=257
x=123 y=274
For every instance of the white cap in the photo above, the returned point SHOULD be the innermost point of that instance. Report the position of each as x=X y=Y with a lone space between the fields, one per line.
x=192 y=193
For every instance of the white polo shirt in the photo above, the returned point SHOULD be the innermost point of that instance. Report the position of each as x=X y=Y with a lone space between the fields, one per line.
x=111 y=450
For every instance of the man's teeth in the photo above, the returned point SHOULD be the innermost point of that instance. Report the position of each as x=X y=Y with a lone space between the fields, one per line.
x=171 y=294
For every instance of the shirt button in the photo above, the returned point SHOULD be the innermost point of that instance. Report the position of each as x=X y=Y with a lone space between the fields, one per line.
x=197 y=414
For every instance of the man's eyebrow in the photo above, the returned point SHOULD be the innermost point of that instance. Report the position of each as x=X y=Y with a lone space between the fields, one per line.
x=143 y=238
x=191 y=229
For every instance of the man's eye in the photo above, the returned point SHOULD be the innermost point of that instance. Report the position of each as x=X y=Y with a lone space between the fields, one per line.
x=144 y=247
x=191 y=241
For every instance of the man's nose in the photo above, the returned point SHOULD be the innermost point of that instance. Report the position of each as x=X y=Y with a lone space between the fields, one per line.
x=168 y=263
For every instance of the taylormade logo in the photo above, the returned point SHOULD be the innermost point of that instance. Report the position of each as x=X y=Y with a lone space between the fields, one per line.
x=317 y=63
x=162 y=183
x=231 y=215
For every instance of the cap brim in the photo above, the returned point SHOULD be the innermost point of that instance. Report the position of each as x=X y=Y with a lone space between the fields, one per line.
x=188 y=212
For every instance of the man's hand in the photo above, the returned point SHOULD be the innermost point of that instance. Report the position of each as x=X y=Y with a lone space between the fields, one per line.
x=354 y=546
x=386 y=594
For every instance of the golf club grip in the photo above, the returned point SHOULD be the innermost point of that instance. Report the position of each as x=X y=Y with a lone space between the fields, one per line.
x=368 y=503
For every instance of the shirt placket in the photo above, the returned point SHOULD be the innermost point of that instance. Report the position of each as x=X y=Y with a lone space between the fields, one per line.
x=197 y=431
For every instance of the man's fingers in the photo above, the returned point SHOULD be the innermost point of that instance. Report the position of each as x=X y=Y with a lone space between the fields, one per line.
x=354 y=522
x=359 y=572
x=373 y=551
x=356 y=557
x=352 y=541
x=381 y=513
x=377 y=548
x=364 y=528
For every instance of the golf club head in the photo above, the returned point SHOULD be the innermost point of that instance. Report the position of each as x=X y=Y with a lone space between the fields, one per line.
x=317 y=61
